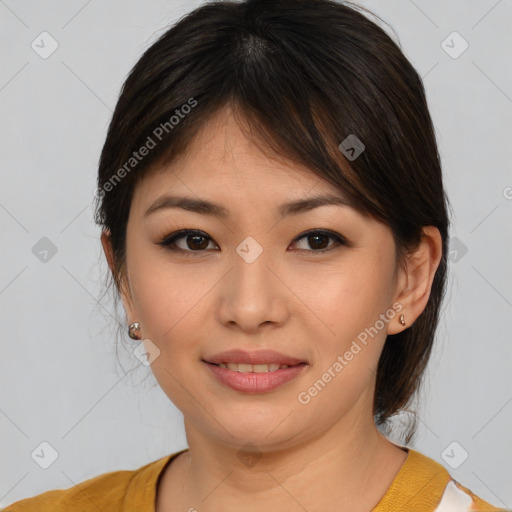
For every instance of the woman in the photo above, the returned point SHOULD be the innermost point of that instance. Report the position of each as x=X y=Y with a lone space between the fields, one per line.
x=273 y=215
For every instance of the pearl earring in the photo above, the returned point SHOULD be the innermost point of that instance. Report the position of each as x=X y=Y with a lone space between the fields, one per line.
x=134 y=331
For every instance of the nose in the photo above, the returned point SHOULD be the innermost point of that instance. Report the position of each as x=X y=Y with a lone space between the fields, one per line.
x=253 y=293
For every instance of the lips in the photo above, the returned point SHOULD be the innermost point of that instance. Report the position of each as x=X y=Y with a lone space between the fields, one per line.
x=251 y=382
x=256 y=358
x=256 y=371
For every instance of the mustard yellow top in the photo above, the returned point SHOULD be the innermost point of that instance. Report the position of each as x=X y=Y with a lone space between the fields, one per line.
x=421 y=485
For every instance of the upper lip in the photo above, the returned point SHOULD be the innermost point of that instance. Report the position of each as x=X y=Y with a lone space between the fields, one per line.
x=261 y=356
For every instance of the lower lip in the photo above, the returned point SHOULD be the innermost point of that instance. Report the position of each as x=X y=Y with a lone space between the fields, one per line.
x=251 y=382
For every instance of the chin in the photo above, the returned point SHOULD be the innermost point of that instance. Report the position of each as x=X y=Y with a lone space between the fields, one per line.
x=265 y=427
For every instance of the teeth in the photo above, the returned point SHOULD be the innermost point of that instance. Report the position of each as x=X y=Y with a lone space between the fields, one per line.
x=253 y=368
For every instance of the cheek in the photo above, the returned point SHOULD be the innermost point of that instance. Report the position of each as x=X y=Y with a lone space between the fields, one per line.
x=172 y=307
x=167 y=297
x=348 y=298
x=350 y=304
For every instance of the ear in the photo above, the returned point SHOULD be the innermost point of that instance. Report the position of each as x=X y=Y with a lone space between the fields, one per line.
x=414 y=282
x=123 y=288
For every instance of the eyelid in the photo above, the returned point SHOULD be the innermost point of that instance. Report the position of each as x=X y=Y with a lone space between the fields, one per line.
x=169 y=239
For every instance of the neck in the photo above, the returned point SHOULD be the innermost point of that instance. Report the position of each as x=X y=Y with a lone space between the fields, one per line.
x=351 y=468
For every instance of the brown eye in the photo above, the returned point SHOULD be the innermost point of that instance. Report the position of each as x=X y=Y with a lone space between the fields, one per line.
x=318 y=241
x=196 y=241
x=187 y=241
x=193 y=241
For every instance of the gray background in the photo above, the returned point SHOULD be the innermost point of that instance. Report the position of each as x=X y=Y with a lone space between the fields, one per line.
x=61 y=381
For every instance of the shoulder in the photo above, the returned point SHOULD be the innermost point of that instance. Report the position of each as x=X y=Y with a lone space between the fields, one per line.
x=422 y=484
x=108 y=491
x=456 y=494
x=91 y=494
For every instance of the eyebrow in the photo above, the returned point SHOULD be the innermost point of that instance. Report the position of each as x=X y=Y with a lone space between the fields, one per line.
x=213 y=209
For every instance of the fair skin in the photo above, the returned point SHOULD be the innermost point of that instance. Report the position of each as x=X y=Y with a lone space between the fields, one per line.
x=326 y=454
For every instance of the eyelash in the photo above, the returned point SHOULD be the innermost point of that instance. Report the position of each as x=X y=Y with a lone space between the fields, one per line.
x=169 y=240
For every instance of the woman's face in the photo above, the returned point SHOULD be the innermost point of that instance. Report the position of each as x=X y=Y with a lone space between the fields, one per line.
x=250 y=280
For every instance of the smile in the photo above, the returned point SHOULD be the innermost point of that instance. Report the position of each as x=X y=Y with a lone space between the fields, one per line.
x=253 y=368
x=254 y=378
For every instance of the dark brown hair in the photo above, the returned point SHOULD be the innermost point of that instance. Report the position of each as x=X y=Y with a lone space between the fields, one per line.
x=306 y=74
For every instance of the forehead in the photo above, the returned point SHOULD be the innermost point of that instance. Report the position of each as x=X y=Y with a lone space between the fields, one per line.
x=226 y=157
